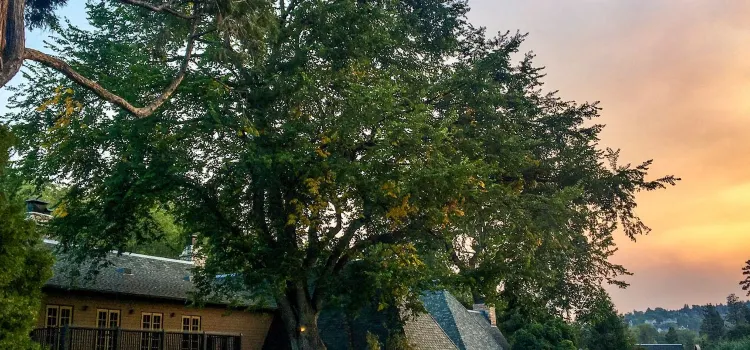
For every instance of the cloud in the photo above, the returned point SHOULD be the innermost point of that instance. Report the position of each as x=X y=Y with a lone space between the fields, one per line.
x=674 y=81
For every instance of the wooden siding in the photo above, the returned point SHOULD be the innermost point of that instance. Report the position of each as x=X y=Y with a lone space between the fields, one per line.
x=252 y=325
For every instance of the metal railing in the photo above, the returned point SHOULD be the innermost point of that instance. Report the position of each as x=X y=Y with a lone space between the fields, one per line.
x=84 y=338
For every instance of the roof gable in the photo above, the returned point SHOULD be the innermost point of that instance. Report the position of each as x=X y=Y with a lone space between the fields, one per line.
x=467 y=331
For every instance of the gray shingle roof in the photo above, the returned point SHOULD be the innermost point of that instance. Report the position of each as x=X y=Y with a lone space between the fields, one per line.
x=424 y=333
x=492 y=330
x=465 y=330
x=151 y=277
x=134 y=275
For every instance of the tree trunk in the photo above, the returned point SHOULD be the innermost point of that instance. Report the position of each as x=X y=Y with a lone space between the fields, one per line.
x=12 y=38
x=300 y=317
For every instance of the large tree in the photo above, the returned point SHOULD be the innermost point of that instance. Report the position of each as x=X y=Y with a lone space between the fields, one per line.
x=26 y=264
x=342 y=157
x=713 y=324
x=736 y=310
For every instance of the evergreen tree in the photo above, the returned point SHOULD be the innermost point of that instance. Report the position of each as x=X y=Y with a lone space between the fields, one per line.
x=736 y=310
x=671 y=337
x=603 y=328
x=713 y=325
x=24 y=262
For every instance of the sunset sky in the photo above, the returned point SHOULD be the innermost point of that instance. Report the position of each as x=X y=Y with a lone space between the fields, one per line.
x=673 y=78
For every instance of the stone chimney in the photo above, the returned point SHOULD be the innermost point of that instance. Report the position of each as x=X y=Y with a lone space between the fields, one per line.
x=488 y=312
x=36 y=209
x=190 y=253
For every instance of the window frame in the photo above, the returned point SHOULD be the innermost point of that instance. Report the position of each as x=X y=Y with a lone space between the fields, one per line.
x=108 y=321
x=58 y=316
x=151 y=320
x=190 y=323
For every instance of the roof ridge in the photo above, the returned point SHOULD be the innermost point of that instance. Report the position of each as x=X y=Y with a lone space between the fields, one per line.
x=152 y=257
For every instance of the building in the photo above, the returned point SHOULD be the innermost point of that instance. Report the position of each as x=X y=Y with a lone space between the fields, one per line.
x=447 y=325
x=142 y=302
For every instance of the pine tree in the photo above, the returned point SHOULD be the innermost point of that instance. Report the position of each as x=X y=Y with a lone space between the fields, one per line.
x=25 y=264
x=713 y=325
x=735 y=310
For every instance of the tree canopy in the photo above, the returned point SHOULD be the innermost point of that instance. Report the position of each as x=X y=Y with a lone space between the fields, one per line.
x=26 y=264
x=713 y=324
x=603 y=328
x=369 y=147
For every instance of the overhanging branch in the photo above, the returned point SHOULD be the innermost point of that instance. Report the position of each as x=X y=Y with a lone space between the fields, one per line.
x=64 y=68
x=166 y=8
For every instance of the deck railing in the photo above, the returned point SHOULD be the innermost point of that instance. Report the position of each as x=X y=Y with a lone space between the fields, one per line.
x=83 y=338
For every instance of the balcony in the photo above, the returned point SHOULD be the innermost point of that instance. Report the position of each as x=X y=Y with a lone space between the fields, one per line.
x=83 y=338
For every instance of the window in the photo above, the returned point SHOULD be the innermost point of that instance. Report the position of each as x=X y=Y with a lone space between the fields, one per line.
x=151 y=321
x=191 y=341
x=106 y=319
x=191 y=323
x=59 y=316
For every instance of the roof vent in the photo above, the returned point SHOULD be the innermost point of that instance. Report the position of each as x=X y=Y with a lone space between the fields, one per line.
x=126 y=271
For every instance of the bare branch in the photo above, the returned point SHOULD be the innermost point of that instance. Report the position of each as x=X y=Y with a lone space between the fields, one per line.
x=165 y=7
x=63 y=67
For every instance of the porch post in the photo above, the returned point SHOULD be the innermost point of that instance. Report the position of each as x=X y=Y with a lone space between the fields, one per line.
x=118 y=334
x=64 y=337
x=205 y=341
x=163 y=339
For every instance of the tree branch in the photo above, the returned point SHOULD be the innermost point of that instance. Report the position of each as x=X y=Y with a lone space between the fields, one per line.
x=64 y=68
x=165 y=7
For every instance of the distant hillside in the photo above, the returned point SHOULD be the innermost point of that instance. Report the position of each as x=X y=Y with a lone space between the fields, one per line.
x=689 y=317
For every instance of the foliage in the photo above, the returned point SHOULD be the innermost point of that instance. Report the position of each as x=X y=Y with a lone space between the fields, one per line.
x=345 y=139
x=602 y=328
x=26 y=264
x=737 y=311
x=373 y=343
x=738 y=332
x=689 y=316
x=645 y=334
x=671 y=337
x=554 y=334
x=731 y=345
x=713 y=324
x=687 y=338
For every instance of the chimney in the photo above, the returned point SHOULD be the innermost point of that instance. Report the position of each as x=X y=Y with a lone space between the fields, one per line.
x=488 y=312
x=191 y=251
x=36 y=209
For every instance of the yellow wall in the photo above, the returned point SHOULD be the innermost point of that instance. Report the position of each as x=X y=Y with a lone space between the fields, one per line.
x=252 y=325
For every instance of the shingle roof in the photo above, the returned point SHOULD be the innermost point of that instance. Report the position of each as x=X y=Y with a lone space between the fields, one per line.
x=465 y=330
x=492 y=330
x=134 y=275
x=161 y=278
x=424 y=333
